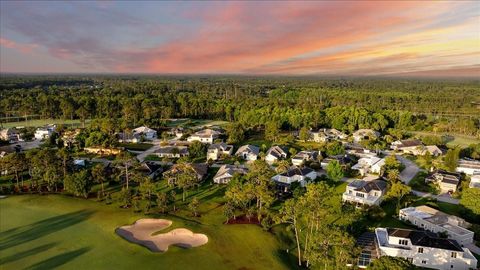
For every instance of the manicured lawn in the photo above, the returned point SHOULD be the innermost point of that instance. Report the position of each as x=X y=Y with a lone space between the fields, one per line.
x=418 y=183
x=136 y=146
x=457 y=139
x=44 y=232
x=43 y=122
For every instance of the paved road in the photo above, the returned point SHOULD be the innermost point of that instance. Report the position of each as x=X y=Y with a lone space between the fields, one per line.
x=443 y=197
x=411 y=169
x=156 y=145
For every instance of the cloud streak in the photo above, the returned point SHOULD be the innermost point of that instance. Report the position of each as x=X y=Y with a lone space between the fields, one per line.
x=361 y=38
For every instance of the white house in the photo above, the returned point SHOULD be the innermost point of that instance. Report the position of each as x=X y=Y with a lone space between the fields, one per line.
x=248 y=152
x=172 y=151
x=414 y=147
x=204 y=136
x=274 y=154
x=365 y=192
x=365 y=134
x=10 y=135
x=217 y=150
x=424 y=249
x=447 y=181
x=226 y=172
x=475 y=181
x=431 y=219
x=327 y=134
x=302 y=156
x=44 y=132
x=300 y=175
x=145 y=132
x=468 y=166
x=370 y=164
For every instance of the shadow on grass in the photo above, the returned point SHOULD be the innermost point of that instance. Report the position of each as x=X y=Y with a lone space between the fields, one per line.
x=58 y=260
x=27 y=253
x=24 y=234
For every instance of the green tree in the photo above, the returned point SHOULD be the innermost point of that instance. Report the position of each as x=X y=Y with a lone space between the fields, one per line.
x=470 y=200
x=304 y=134
x=451 y=159
x=272 y=130
x=78 y=183
x=334 y=170
x=193 y=206
x=162 y=200
x=99 y=176
x=391 y=263
x=397 y=191
x=235 y=133
x=335 y=148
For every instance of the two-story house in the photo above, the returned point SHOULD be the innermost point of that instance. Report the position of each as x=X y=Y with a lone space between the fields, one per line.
x=300 y=175
x=226 y=172
x=274 y=154
x=365 y=192
x=424 y=249
x=447 y=181
x=431 y=219
x=217 y=150
x=301 y=157
x=370 y=164
x=204 y=136
x=248 y=152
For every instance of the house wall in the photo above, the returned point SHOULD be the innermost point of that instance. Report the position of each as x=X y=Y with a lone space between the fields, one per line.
x=431 y=257
x=423 y=224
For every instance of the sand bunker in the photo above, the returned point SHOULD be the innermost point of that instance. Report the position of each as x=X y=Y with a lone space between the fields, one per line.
x=141 y=233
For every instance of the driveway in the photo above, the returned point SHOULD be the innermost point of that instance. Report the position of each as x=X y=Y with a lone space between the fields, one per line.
x=441 y=198
x=411 y=169
x=156 y=145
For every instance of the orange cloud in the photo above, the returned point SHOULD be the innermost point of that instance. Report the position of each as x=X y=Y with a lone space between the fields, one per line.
x=24 y=48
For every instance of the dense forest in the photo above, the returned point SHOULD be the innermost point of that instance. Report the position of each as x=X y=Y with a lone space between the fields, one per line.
x=346 y=104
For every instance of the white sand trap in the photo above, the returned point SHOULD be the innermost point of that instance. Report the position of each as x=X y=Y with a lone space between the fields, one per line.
x=141 y=233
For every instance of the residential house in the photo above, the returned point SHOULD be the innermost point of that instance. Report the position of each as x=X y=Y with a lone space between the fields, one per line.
x=200 y=170
x=301 y=157
x=69 y=137
x=434 y=150
x=359 y=151
x=424 y=249
x=217 y=150
x=328 y=134
x=204 y=136
x=177 y=132
x=475 y=181
x=365 y=134
x=275 y=153
x=295 y=174
x=468 y=166
x=10 y=135
x=432 y=220
x=44 y=132
x=344 y=161
x=447 y=181
x=248 y=152
x=365 y=192
x=172 y=151
x=145 y=133
x=226 y=172
x=102 y=150
x=371 y=164
x=150 y=169
x=413 y=147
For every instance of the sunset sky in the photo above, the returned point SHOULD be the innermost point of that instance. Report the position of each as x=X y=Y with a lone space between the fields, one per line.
x=294 y=38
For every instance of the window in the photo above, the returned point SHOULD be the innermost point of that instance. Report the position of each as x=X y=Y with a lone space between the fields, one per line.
x=403 y=242
x=420 y=250
x=454 y=254
x=424 y=262
x=410 y=260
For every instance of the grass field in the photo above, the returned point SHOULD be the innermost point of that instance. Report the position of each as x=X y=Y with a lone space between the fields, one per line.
x=44 y=232
x=43 y=122
x=456 y=139
x=195 y=123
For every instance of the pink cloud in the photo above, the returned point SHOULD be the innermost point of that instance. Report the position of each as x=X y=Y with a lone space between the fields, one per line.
x=22 y=47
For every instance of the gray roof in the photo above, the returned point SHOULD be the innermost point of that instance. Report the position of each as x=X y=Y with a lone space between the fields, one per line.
x=249 y=149
x=367 y=186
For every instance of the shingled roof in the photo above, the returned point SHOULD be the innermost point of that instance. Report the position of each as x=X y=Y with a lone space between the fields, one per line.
x=425 y=239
